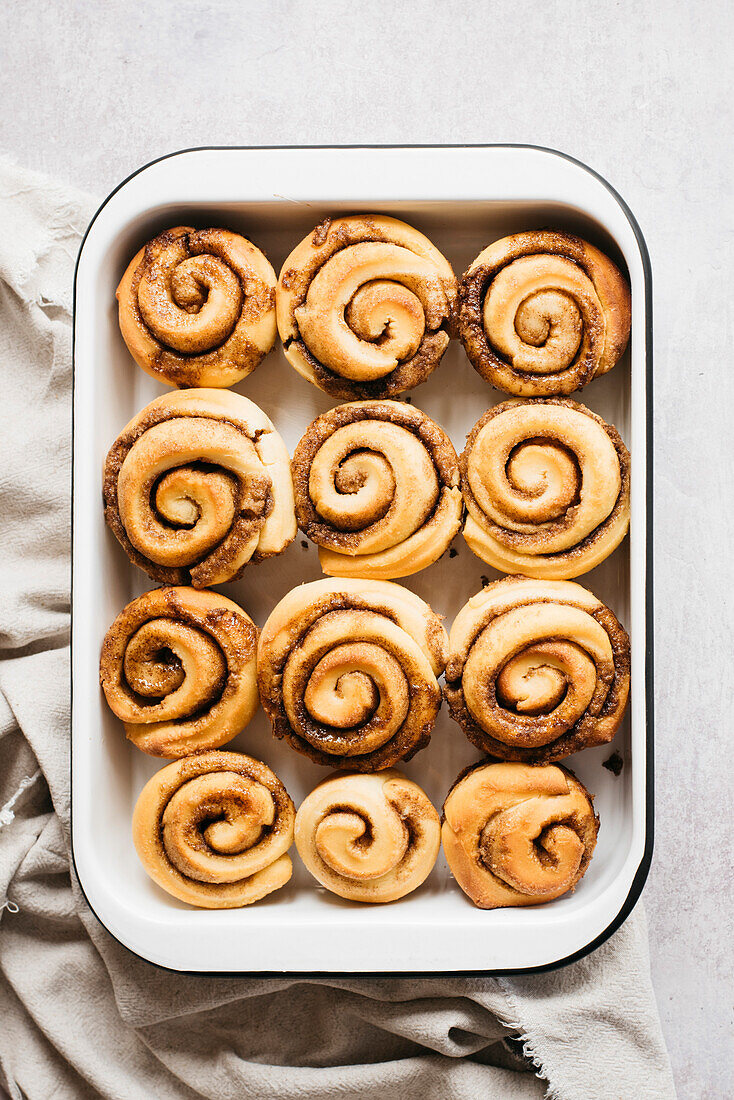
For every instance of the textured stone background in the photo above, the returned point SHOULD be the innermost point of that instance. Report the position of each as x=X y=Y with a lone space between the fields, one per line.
x=641 y=92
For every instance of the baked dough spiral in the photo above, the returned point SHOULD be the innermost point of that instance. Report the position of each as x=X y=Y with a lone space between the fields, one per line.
x=348 y=672
x=197 y=307
x=547 y=487
x=178 y=668
x=377 y=489
x=213 y=830
x=514 y=834
x=365 y=304
x=537 y=670
x=542 y=313
x=372 y=838
x=198 y=485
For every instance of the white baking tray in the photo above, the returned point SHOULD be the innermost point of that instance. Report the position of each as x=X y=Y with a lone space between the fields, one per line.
x=462 y=198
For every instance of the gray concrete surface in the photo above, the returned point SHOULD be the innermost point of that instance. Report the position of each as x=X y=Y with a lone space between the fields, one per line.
x=639 y=91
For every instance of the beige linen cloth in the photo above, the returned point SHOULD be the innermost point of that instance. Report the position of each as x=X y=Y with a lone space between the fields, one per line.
x=80 y=1016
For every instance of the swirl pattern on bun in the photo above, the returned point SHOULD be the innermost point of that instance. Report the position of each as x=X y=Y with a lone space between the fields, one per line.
x=348 y=672
x=197 y=307
x=547 y=487
x=514 y=834
x=214 y=829
x=537 y=670
x=178 y=668
x=377 y=489
x=542 y=313
x=369 y=838
x=197 y=486
x=365 y=305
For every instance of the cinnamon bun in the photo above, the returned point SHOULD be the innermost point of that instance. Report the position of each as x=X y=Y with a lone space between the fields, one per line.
x=537 y=670
x=547 y=487
x=197 y=486
x=515 y=834
x=348 y=672
x=178 y=668
x=214 y=829
x=365 y=305
x=542 y=313
x=369 y=838
x=377 y=489
x=197 y=307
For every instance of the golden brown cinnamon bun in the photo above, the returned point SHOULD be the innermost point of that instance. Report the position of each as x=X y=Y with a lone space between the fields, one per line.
x=514 y=834
x=178 y=667
x=537 y=670
x=348 y=672
x=377 y=489
x=365 y=305
x=543 y=313
x=547 y=487
x=372 y=838
x=197 y=307
x=197 y=486
x=213 y=830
